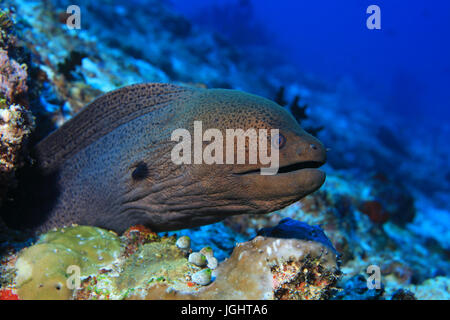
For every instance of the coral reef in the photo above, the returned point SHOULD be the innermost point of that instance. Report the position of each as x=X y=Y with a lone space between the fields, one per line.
x=16 y=121
x=13 y=78
x=221 y=238
x=432 y=289
x=158 y=261
x=109 y=267
x=139 y=264
x=264 y=268
x=42 y=269
x=268 y=268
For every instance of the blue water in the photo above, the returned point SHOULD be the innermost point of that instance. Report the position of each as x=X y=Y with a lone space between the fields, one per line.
x=405 y=65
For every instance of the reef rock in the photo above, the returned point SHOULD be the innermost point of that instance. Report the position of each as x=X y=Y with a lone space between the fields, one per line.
x=271 y=268
x=268 y=268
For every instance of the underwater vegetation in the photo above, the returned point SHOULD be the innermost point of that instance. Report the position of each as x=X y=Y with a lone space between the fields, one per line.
x=379 y=206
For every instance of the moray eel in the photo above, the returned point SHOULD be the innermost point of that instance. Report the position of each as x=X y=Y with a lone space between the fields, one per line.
x=110 y=166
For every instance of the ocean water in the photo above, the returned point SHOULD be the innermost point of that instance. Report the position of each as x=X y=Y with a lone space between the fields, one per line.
x=404 y=65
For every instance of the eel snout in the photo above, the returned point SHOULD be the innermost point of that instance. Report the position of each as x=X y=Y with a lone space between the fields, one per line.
x=308 y=153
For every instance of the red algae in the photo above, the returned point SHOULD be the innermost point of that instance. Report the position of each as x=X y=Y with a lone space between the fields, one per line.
x=8 y=294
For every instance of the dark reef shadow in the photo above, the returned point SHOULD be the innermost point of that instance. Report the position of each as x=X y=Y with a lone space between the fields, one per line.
x=29 y=204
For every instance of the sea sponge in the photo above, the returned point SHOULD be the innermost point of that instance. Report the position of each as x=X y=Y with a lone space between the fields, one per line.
x=42 y=269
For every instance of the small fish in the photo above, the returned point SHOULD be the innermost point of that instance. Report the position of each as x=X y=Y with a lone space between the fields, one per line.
x=110 y=166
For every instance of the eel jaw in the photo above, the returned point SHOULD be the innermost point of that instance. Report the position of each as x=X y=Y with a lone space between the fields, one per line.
x=290 y=168
x=291 y=183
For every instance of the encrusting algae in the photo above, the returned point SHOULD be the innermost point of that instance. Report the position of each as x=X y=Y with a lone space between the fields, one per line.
x=142 y=265
x=43 y=269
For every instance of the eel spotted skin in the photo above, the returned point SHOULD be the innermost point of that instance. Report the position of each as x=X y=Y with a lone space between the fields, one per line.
x=110 y=166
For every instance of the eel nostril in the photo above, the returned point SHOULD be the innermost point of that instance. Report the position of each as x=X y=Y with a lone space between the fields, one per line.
x=140 y=172
x=313 y=146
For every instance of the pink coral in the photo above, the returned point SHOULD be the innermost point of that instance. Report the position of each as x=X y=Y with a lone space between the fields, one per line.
x=13 y=77
x=16 y=121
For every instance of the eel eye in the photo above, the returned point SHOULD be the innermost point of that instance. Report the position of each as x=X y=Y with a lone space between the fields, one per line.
x=279 y=140
x=140 y=172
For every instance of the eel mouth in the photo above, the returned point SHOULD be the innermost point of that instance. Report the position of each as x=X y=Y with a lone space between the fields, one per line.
x=287 y=168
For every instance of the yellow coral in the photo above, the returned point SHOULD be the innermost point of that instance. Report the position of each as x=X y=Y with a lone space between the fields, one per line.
x=42 y=269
